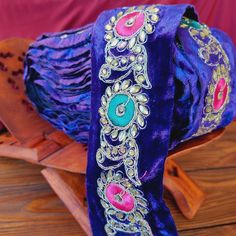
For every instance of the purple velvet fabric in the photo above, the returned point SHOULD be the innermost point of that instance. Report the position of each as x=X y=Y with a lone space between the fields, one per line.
x=58 y=80
x=192 y=78
x=58 y=74
x=153 y=150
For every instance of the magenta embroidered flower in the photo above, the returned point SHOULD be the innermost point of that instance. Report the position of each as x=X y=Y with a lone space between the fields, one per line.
x=125 y=205
x=119 y=197
x=220 y=94
x=131 y=27
x=130 y=23
x=127 y=32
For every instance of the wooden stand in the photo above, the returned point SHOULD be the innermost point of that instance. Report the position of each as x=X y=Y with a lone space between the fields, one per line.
x=32 y=139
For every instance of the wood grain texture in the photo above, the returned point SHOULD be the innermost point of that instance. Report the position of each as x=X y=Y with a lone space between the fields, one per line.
x=72 y=157
x=224 y=230
x=187 y=194
x=70 y=188
x=218 y=154
x=219 y=206
x=29 y=207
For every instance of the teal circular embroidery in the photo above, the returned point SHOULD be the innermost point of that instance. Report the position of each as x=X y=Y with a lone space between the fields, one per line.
x=121 y=110
x=192 y=23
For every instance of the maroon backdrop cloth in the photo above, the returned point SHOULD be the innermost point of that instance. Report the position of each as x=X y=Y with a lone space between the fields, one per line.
x=28 y=19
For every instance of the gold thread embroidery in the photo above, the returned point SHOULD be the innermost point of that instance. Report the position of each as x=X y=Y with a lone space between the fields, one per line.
x=213 y=55
x=123 y=114
x=118 y=220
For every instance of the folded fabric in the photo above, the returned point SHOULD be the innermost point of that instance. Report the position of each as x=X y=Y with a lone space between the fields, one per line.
x=58 y=80
x=156 y=77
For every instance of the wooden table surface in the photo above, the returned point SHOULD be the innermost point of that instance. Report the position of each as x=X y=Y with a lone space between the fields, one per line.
x=28 y=207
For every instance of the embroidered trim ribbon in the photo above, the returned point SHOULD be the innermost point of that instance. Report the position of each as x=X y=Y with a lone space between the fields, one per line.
x=123 y=114
x=212 y=54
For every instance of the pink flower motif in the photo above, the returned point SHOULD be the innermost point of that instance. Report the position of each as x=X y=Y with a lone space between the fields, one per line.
x=119 y=197
x=220 y=94
x=130 y=24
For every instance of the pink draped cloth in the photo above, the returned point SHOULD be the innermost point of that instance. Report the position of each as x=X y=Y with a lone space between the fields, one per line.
x=28 y=19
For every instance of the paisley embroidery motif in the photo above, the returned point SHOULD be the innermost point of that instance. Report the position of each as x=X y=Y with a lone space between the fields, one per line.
x=216 y=100
x=125 y=207
x=212 y=54
x=220 y=94
x=123 y=114
x=127 y=34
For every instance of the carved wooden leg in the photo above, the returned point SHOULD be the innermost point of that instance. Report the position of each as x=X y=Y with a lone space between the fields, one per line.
x=187 y=194
x=70 y=188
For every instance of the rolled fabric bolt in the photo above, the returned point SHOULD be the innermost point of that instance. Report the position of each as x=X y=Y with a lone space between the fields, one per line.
x=133 y=85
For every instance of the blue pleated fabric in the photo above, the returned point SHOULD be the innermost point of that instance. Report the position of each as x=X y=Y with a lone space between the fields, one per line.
x=58 y=66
